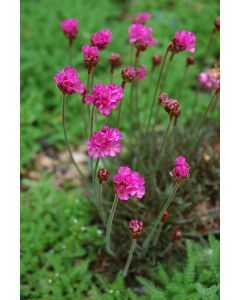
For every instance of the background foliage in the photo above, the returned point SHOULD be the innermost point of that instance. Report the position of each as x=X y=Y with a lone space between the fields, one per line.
x=61 y=235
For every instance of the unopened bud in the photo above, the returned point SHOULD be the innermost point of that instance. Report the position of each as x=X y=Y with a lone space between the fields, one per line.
x=136 y=228
x=103 y=175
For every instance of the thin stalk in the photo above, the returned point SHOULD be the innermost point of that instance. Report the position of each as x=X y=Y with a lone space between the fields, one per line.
x=182 y=82
x=164 y=140
x=100 y=202
x=158 y=219
x=109 y=225
x=159 y=230
x=66 y=138
x=129 y=259
x=111 y=73
x=208 y=45
x=95 y=173
x=119 y=114
x=89 y=78
x=91 y=120
x=156 y=90
x=70 y=52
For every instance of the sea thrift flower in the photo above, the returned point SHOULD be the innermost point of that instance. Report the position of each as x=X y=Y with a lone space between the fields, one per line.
x=181 y=169
x=172 y=108
x=101 y=39
x=183 y=40
x=141 y=72
x=128 y=184
x=128 y=74
x=136 y=228
x=90 y=56
x=141 y=18
x=70 y=28
x=105 y=97
x=104 y=143
x=141 y=36
x=68 y=82
x=103 y=175
x=156 y=60
x=162 y=98
x=190 y=61
x=114 y=60
x=166 y=215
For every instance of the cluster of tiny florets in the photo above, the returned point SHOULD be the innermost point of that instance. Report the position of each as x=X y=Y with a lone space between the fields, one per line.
x=181 y=170
x=136 y=228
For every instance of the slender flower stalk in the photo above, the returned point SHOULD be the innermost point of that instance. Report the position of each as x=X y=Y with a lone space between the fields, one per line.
x=164 y=140
x=70 y=52
x=129 y=259
x=103 y=175
x=95 y=172
x=66 y=138
x=159 y=230
x=183 y=81
x=109 y=225
x=91 y=120
x=158 y=220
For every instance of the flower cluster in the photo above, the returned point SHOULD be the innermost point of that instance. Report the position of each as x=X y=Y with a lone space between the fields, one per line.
x=68 y=82
x=181 y=169
x=90 y=56
x=183 y=40
x=171 y=106
x=210 y=79
x=101 y=39
x=103 y=175
x=114 y=60
x=105 y=97
x=70 y=28
x=128 y=74
x=141 y=18
x=128 y=184
x=136 y=228
x=141 y=72
x=104 y=143
x=141 y=36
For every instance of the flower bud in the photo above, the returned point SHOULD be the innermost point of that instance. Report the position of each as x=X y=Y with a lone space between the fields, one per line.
x=162 y=98
x=156 y=60
x=166 y=215
x=190 y=61
x=103 y=175
x=114 y=60
x=136 y=227
x=181 y=169
x=128 y=74
x=217 y=23
x=178 y=235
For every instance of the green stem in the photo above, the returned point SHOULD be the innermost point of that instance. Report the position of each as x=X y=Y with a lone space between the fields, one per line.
x=109 y=225
x=89 y=78
x=158 y=220
x=91 y=120
x=159 y=230
x=100 y=202
x=129 y=259
x=156 y=90
x=70 y=52
x=182 y=82
x=164 y=141
x=95 y=173
x=66 y=138
x=119 y=114
x=208 y=46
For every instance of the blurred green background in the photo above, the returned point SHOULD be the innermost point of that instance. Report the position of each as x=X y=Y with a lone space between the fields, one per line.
x=60 y=239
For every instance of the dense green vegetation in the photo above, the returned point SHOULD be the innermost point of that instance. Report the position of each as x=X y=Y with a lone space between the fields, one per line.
x=62 y=237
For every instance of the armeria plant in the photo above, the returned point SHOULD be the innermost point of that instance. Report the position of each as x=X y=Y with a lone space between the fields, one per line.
x=107 y=142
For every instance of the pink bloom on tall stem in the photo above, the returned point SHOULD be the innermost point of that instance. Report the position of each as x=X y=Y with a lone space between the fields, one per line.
x=141 y=18
x=156 y=60
x=105 y=143
x=141 y=72
x=181 y=170
x=141 y=36
x=128 y=184
x=136 y=228
x=70 y=28
x=128 y=74
x=183 y=40
x=90 y=56
x=68 y=82
x=101 y=39
x=172 y=108
x=105 y=97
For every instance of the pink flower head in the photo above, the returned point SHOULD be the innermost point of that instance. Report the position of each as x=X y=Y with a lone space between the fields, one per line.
x=136 y=228
x=70 y=28
x=162 y=98
x=68 y=82
x=181 y=169
x=105 y=97
x=104 y=143
x=101 y=39
x=141 y=72
x=183 y=40
x=90 y=56
x=166 y=215
x=141 y=18
x=156 y=60
x=114 y=59
x=128 y=73
x=190 y=61
x=141 y=36
x=172 y=108
x=128 y=184
x=210 y=79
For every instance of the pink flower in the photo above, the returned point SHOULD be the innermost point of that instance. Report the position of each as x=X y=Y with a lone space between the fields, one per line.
x=128 y=184
x=105 y=143
x=190 y=60
x=90 y=56
x=210 y=79
x=181 y=169
x=136 y=228
x=172 y=108
x=128 y=73
x=162 y=98
x=141 y=72
x=114 y=59
x=101 y=39
x=141 y=18
x=156 y=60
x=68 y=82
x=70 y=28
x=105 y=97
x=141 y=36
x=183 y=40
